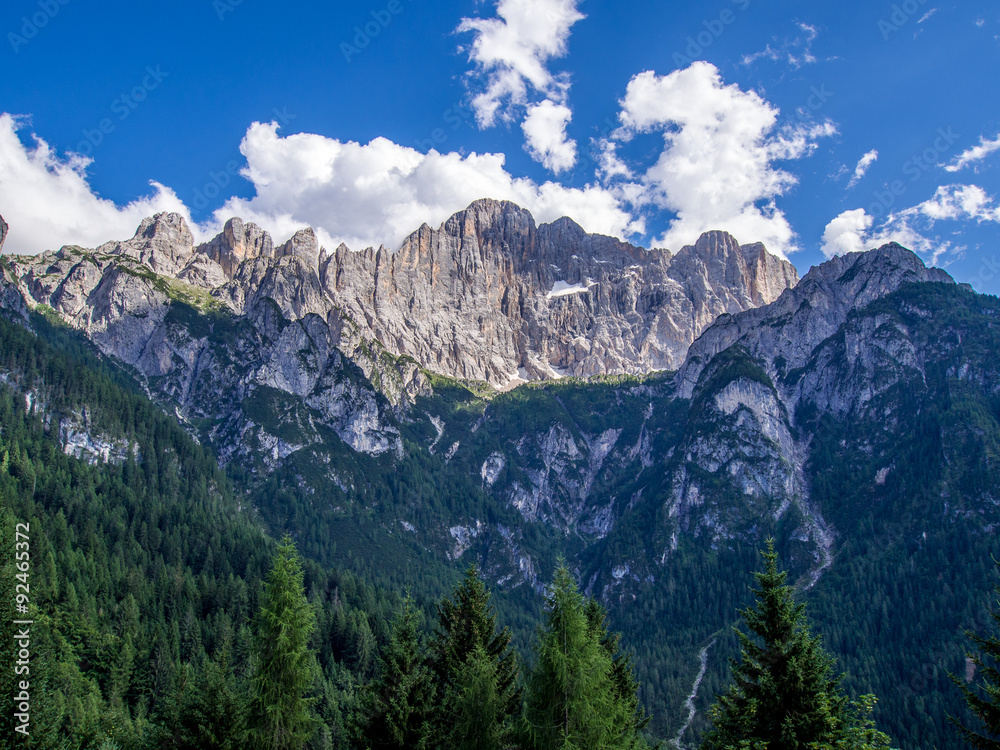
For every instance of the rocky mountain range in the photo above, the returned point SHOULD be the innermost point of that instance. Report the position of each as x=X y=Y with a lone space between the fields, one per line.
x=489 y=295
x=673 y=410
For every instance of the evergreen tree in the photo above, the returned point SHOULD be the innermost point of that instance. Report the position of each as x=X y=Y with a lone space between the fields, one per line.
x=574 y=698
x=622 y=666
x=395 y=708
x=475 y=719
x=280 y=713
x=986 y=704
x=784 y=695
x=220 y=710
x=467 y=624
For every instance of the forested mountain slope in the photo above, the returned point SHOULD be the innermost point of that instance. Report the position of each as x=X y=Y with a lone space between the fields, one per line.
x=856 y=418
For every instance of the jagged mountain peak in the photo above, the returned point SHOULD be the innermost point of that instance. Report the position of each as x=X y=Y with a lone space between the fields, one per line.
x=303 y=244
x=489 y=295
x=3 y=232
x=807 y=313
x=166 y=224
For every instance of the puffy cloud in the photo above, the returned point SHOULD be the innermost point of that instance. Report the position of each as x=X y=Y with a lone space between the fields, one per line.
x=360 y=194
x=974 y=154
x=511 y=52
x=377 y=193
x=859 y=171
x=48 y=202
x=913 y=227
x=957 y=202
x=847 y=233
x=545 y=134
x=717 y=169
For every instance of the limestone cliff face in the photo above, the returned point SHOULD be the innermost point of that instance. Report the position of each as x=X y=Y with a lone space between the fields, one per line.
x=787 y=331
x=492 y=296
x=489 y=295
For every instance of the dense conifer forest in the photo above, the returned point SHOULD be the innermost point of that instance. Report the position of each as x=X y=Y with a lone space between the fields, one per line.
x=168 y=613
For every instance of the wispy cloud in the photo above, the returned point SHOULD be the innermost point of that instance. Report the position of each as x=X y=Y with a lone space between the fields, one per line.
x=914 y=227
x=796 y=52
x=974 y=154
x=859 y=171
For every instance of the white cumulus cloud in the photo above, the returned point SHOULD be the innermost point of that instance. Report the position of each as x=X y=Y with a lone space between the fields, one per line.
x=511 y=54
x=375 y=193
x=862 y=166
x=974 y=154
x=913 y=227
x=360 y=194
x=717 y=168
x=957 y=202
x=511 y=51
x=48 y=202
x=847 y=233
x=545 y=135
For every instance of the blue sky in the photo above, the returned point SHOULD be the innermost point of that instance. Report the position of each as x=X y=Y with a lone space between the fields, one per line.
x=815 y=127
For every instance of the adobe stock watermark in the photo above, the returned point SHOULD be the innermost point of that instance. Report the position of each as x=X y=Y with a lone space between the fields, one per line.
x=363 y=35
x=587 y=160
x=219 y=180
x=123 y=106
x=901 y=14
x=989 y=269
x=714 y=28
x=223 y=8
x=915 y=167
x=454 y=117
x=818 y=96
x=31 y=25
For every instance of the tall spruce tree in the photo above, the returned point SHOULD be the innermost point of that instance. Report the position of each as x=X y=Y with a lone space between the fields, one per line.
x=280 y=713
x=985 y=704
x=475 y=707
x=784 y=695
x=467 y=624
x=622 y=666
x=574 y=698
x=395 y=708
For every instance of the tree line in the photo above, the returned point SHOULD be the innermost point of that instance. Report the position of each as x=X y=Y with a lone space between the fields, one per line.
x=167 y=618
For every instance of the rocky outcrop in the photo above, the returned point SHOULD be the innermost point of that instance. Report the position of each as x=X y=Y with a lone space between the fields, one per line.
x=488 y=296
x=237 y=242
x=3 y=232
x=163 y=242
x=787 y=331
x=492 y=296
